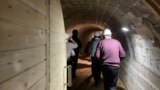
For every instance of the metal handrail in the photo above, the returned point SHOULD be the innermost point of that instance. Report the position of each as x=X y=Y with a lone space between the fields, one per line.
x=69 y=75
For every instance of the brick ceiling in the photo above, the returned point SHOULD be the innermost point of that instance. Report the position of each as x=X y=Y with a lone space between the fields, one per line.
x=111 y=12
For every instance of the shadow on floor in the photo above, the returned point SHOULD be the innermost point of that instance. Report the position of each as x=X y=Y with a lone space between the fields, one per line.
x=84 y=85
x=86 y=58
x=120 y=88
x=88 y=85
x=81 y=65
x=85 y=81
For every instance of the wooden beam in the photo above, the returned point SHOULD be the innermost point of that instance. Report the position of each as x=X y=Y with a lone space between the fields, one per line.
x=155 y=4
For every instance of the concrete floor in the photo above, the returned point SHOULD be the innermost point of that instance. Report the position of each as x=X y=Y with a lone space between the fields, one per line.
x=85 y=81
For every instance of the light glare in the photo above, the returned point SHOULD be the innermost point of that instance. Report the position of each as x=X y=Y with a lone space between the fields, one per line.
x=125 y=29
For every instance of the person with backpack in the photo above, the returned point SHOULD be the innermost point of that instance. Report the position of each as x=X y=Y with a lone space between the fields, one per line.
x=96 y=70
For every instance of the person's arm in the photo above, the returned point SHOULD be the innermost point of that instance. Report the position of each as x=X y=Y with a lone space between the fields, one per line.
x=122 y=53
x=90 y=47
x=97 y=52
x=79 y=43
x=73 y=44
x=79 y=46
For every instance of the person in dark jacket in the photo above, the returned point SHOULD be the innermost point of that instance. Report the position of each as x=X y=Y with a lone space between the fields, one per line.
x=109 y=52
x=96 y=70
x=76 y=50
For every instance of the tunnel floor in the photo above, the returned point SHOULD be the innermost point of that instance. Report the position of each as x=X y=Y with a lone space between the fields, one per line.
x=85 y=81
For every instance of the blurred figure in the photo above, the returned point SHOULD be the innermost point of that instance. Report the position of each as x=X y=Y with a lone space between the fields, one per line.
x=96 y=70
x=76 y=50
x=109 y=52
x=70 y=46
x=86 y=51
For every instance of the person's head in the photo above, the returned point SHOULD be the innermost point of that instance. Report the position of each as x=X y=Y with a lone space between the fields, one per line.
x=107 y=33
x=75 y=32
x=97 y=34
x=67 y=37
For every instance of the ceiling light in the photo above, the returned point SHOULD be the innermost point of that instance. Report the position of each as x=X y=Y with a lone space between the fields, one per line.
x=125 y=29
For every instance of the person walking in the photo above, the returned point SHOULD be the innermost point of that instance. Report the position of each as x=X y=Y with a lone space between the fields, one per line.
x=96 y=70
x=70 y=46
x=109 y=52
x=76 y=50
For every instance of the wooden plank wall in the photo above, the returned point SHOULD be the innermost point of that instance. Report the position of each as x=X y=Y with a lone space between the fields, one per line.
x=57 y=47
x=23 y=27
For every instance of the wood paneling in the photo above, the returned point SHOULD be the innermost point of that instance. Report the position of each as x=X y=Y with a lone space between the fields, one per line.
x=25 y=47
x=57 y=47
x=13 y=36
x=56 y=37
x=15 y=62
x=40 y=85
x=23 y=27
x=40 y=6
x=21 y=13
x=25 y=80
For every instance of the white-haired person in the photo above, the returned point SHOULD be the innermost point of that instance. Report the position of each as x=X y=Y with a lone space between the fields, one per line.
x=109 y=52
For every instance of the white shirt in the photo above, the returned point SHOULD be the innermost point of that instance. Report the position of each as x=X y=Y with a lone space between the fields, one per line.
x=70 y=49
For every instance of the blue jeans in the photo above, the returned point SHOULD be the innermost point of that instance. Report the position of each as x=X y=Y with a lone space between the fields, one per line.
x=110 y=75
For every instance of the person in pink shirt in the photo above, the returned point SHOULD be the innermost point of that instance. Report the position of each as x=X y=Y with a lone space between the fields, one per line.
x=109 y=52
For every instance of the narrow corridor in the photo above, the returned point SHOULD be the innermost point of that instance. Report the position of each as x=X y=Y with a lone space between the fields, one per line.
x=85 y=81
x=33 y=47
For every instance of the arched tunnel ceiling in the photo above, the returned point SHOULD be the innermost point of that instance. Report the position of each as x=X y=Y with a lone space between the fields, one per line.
x=111 y=12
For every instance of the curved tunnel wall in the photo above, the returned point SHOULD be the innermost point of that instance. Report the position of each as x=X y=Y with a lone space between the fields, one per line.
x=86 y=32
x=141 y=70
x=57 y=48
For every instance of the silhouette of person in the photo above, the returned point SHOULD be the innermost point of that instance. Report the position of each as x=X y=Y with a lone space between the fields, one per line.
x=76 y=50
x=109 y=52
x=70 y=46
x=96 y=70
